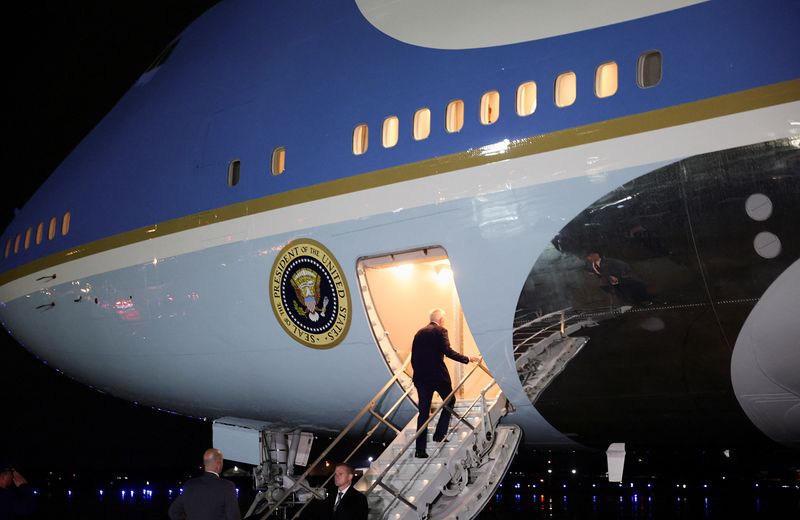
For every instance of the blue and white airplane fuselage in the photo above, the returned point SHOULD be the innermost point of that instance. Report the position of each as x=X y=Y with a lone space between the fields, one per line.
x=151 y=258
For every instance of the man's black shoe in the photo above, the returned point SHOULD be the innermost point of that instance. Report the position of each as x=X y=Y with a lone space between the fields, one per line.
x=420 y=454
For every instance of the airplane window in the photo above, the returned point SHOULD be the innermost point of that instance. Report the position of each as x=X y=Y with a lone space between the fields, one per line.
x=8 y=247
x=605 y=80
x=51 y=233
x=454 y=119
x=648 y=69
x=234 y=169
x=278 y=160
x=28 y=238
x=39 y=233
x=16 y=244
x=391 y=128
x=566 y=89
x=490 y=107
x=422 y=124
x=65 y=224
x=526 y=98
x=360 y=139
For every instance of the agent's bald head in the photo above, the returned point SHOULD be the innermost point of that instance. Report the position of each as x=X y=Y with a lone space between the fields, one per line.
x=212 y=460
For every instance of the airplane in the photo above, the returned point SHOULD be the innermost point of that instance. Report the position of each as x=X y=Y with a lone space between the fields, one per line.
x=285 y=193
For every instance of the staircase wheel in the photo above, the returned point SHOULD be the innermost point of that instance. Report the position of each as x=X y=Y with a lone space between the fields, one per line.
x=458 y=482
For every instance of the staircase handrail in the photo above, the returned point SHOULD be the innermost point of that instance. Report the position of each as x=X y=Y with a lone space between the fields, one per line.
x=300 y=481
x=398 y=494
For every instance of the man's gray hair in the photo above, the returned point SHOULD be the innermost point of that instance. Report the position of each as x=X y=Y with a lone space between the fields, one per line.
x=436 y=315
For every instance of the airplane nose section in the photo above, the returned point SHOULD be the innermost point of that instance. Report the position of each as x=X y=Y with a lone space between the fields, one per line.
x=765 y=367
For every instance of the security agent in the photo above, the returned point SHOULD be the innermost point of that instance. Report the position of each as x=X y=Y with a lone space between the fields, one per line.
x=207 y=497
x=347 y=503
x=16 y=496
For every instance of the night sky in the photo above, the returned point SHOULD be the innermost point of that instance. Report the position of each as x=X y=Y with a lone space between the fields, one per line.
x=65 y=66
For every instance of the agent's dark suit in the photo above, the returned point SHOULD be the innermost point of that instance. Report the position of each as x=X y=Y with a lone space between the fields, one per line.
x=430 y=345
x=352 y=506
x=207 y=497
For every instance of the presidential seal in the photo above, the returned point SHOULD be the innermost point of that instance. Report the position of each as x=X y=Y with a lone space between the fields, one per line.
x=309 y=294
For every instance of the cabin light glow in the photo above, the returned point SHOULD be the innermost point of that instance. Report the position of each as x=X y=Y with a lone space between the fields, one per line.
x=444 y=274
x=391 y=131
x=404 y=271
x=526 y=99
x=422 y=124
x=454 y=118
x=566 y=89
x=490 y=107
x=605 y=80
x=360 y=139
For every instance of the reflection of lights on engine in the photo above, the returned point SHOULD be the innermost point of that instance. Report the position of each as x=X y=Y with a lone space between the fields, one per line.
x=155 y=261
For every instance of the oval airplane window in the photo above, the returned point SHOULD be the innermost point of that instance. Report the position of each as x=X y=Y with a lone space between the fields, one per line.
x=454 y=118
x=39 y=233
x=234 y=170
x=422 y=124
x=16 y=244
x=8 y=247
x=28 y=238
x=490 y=107
x=605 y=80
x=391 y=128
x=526 y=98
x=360 y=139
x=278 y=160
x=566 y=89
x=648 y=69
x=65 y=223
x=51 y=232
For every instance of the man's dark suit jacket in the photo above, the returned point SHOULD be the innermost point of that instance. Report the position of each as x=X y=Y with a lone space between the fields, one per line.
x=207 y=497
x=353 y=506
x=430 y=345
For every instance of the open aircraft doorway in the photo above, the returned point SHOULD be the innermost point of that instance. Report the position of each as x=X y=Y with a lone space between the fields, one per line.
x=399 y=290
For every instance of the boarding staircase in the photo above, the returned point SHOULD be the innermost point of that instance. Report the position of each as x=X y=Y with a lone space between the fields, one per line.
x=454 y=482
x=458 y=477
x=544 y=345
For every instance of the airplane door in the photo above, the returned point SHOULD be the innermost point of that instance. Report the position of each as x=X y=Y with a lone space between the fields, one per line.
x=399 y=290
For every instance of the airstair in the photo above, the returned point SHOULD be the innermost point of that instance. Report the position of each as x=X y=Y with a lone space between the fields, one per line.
x=457 y=479
x=544 y=345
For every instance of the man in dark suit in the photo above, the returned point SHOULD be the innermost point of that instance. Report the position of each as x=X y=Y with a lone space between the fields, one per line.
x=347 y=503
x=207 y=497
x=430 y=345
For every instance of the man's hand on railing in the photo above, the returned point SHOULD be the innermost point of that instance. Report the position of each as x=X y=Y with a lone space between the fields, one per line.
x=475 y=359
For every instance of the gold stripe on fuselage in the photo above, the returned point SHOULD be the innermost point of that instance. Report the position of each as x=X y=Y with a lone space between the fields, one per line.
x=728 y=104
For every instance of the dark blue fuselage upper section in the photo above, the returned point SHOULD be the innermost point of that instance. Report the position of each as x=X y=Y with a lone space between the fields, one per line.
x=248 y=77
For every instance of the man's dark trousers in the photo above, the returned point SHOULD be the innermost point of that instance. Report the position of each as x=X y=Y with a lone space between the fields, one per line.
x=425 y=394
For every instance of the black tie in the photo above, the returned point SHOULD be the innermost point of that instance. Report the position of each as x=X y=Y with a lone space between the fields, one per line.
x=338 y=498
